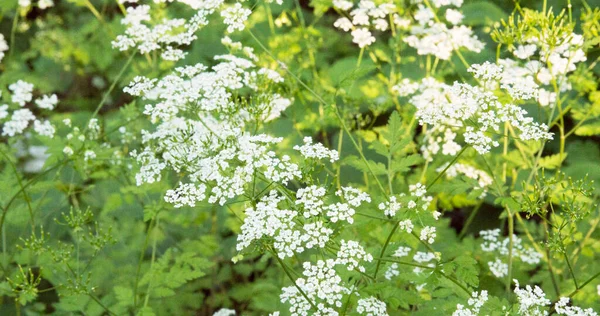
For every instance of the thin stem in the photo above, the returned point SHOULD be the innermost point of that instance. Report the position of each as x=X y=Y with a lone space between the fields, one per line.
x=385 y=245
x=111 y=88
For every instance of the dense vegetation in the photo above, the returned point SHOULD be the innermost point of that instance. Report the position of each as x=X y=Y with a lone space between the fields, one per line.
x=322 y=157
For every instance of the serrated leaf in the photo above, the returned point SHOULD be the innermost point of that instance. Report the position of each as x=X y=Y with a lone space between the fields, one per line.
x=403 y=164
x=552 y=161
x=590 y=129
x=376 y=167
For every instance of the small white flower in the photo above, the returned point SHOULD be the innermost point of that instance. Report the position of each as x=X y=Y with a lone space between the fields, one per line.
x=235 y=17
x=428 y=234
x=362 y=37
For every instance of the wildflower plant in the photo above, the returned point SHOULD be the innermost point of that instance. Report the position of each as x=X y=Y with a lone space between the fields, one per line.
x=367 y=157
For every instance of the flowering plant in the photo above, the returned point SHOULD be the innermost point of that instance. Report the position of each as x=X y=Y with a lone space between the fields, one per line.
x=367 y=157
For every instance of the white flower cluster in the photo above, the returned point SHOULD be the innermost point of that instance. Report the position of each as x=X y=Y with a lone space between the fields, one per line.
x=475 y=303
x=363 y=19
x=428 y=234
x=3 y=47
x=475 y=110
x=390 y=207
x=166 y=35
x=351 y=254
x=224 y=312
x=268 y=220
x=186 y=194
x=545 y=58
x=401 y=252
x=431 y=36
x=562 y=308
x=492 y=243
x=316 y=151
x=21 y=117
x=532 y=301
x=235 y=17
x=420 y=199
x=424 y=257
x=199 y=128
x=323 y=287
x=371 y=306
x=344 y=211
x=482 y=178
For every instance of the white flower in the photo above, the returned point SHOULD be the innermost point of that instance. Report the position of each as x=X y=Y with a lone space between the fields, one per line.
x=392 y=271
x=3 y=46
x=187 y=194
x=321 y=285
x=44 y=128
x=428 y=234
x=44 y=4
x=235 y=17
x=498 y=268
x=525 y=51
x=390 y=207
x=454 y=16
x=68 y=151
x=562 y=308
x=401 y=252
x=343 y=5
x=344 y=24
x=316 y=151
x=475 y=302
x=47 y=102
x=311 y=199
x=21 y=92
x=18 y=122
x=406 y=225
x=381 y=24
x=224 y=312
x=351 y=254
x=89 y=155
x=3 y=111
x=532 y=301
x=362 y=37
x=371 y=306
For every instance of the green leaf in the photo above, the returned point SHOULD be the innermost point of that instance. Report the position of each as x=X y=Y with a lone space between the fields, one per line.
x=403 y=164
x=552 y=161
x=482 y=13
x=590 y=129
x=376 y=167
x=466 y=270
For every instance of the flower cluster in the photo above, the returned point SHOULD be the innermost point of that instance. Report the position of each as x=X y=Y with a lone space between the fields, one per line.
x=371 y=306
x=532 y=301
x=316 y=151
x=268 y=220
x=166 y=35
x=321 y=285
x=432 y=36
x=493 y=244
x=364 y=18
x=475 y=302
x=351 y=254
x=476 y=111
x=226 y=160
x=3 y=47
x=562 y=308
x=22 y=116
